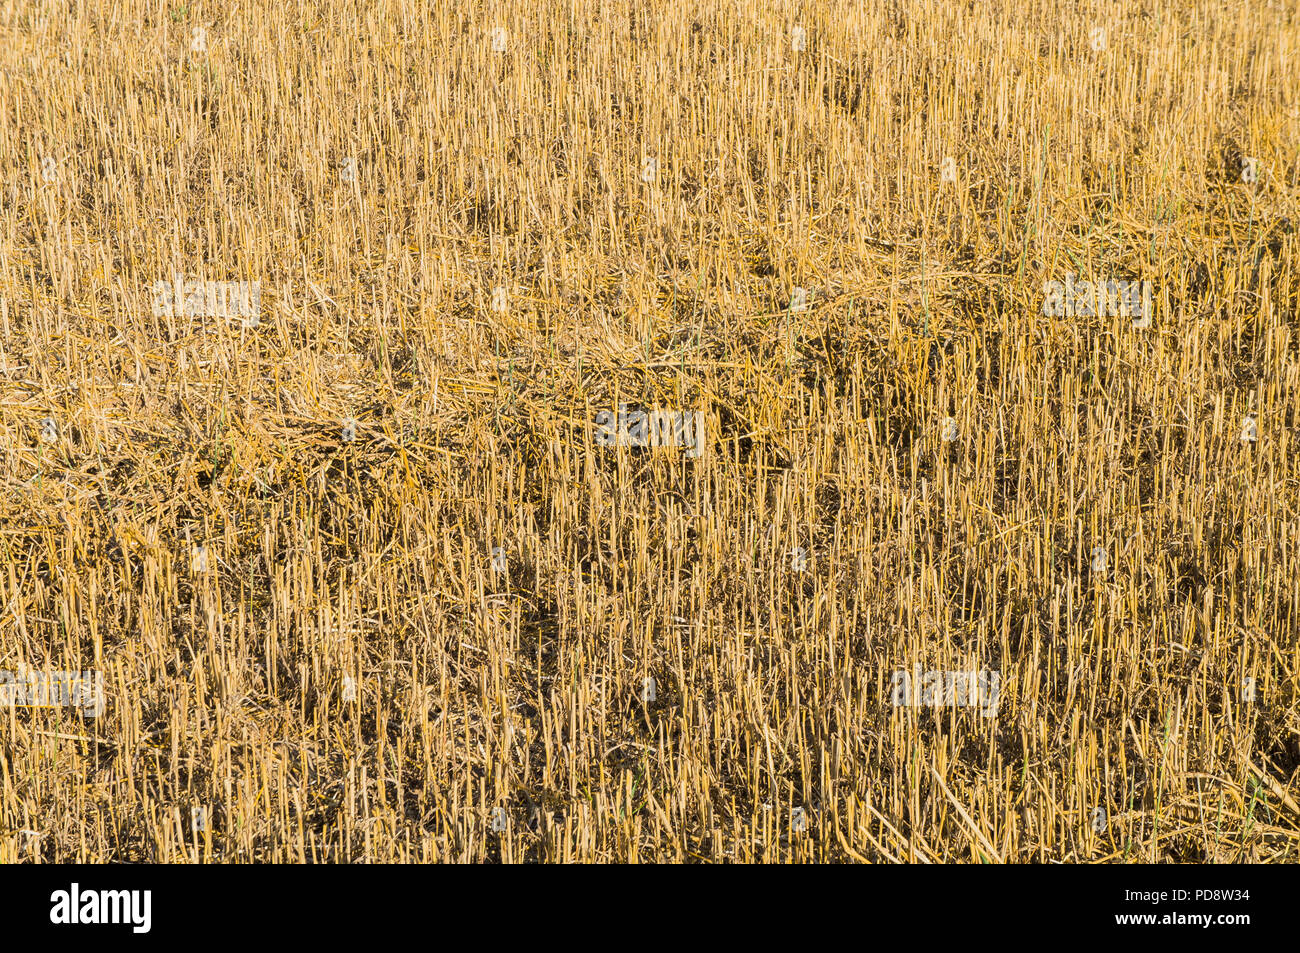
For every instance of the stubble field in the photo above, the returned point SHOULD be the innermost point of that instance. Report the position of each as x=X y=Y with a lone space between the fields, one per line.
x=475 y=632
